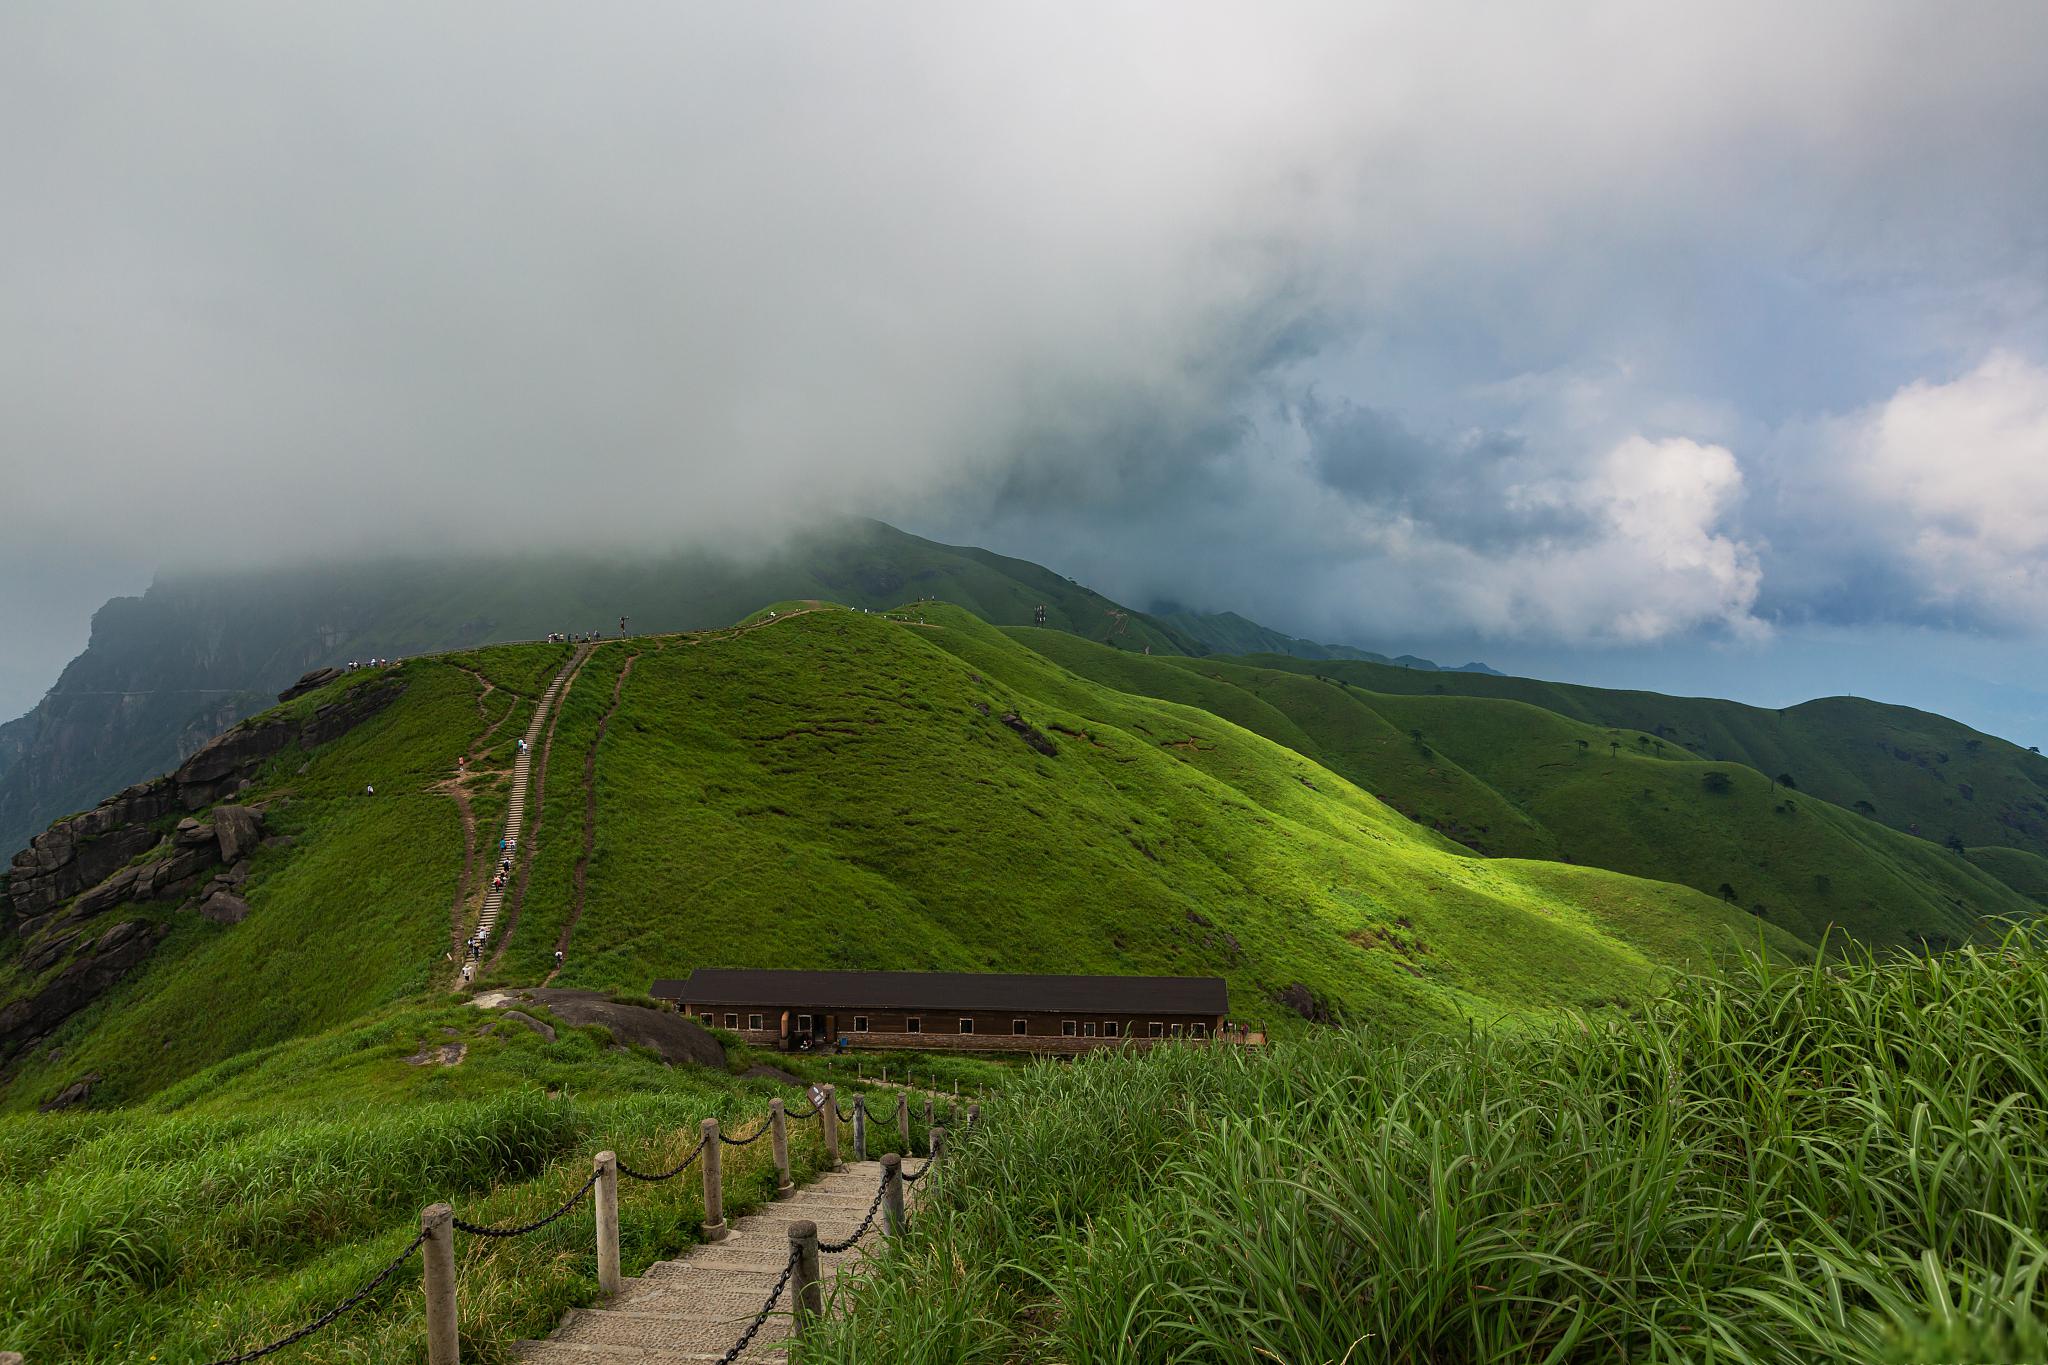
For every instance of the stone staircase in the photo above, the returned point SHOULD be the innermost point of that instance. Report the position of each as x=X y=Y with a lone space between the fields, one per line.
x=515 y=809
x=695 y=1307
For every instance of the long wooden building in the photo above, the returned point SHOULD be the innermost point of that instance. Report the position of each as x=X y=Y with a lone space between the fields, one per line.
x=961 y=1011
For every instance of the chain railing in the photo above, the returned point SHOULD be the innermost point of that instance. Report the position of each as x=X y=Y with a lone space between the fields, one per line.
x=642 y=1176
x=476 y=1230
x=331 y=1314
x=439 y=1221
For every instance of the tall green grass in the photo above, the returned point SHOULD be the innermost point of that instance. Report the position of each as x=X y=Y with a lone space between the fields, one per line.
x=185 y=1237
x=1841 y=1161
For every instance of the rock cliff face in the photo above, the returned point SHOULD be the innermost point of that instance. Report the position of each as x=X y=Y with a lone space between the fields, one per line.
x=130 y=849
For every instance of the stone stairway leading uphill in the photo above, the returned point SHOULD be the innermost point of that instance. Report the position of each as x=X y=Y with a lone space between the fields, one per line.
x=515 y=809
x=694 y=1308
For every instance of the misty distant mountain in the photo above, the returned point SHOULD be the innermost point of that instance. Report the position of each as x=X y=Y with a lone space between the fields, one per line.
x=1225 y=632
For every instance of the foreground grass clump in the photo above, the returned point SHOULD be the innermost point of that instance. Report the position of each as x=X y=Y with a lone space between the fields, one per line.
x=1846 y=1161
x=233 y=1209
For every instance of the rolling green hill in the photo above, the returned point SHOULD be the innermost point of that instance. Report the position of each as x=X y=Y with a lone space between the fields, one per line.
x=197 y=652
x=1507 y=777
x=840 y=789
x=1920 y=773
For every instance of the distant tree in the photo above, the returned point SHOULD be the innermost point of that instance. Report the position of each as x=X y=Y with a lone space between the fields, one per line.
x=1415 y=733
x=1953 y=844
x=1973 y=745
x=1718 y=782
x=1865 y=808
x=1785 y=781
x=1614 y=748
x=1727 y=893
x=1583 y=747
x=2033 y=748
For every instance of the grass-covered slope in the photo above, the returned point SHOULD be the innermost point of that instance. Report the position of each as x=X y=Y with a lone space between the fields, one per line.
x=2024 y=872
x=1736 y=1173
x=1919 y=773
x=243 y=1202
x=1509 y=777
x=198 y=651
x=839 y=789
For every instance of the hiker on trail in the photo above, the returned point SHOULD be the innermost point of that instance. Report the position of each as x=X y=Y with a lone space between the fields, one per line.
x=558 y=959
x=370 y=790
x=622 y=625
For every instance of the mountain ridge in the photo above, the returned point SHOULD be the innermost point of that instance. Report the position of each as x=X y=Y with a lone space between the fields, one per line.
x=166 y=671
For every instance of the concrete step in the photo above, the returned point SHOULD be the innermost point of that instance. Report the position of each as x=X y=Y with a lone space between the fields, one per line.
x=712 y=1326
x=571 y=1353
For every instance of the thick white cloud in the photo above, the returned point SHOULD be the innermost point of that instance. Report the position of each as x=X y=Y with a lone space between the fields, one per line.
x=281 y=279
x=1954 y=477
x=1648 y=556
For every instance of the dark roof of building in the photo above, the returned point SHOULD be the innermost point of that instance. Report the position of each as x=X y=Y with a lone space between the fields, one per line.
x=952 y=991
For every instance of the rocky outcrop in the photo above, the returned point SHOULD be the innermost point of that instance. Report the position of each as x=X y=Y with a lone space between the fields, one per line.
x=1305 y=1003
x=118 y=853
x=1030 y=734
x=312 y=682
x=675 y=1038
x=82 y=852
x=78 y=1092
x=110 y=957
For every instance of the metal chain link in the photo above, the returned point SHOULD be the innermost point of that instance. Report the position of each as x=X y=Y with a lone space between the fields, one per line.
x=695 y=1152
x=331 y=1314
x=757 y=1135
x=881 y=1187
x=923 y=1170
x=475 y=1231
x=762 y=1316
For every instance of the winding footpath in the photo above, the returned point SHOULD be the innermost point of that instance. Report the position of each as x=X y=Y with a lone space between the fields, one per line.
x=693 y=1309
x=515 y=807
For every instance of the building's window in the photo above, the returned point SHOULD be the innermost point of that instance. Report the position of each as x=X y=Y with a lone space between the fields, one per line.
x=705 y=1019
x=967 y=1026
x=803 y=1024
x=754 y=1021
x=732 y=1021
x=1176 y=1030
x=1020 y=1027
x=1199 y=1030
x=1108 y=1029
x=1088 y=1029
x=860 y=1023
x=1068 y=1028
x=913 y=1025
x=1158 y=1029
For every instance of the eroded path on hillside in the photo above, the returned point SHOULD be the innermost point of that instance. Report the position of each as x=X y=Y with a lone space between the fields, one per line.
x=515 y=807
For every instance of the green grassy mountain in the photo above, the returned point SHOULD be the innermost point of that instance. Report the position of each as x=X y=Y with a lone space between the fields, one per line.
x=839 y=789
x=1917 y=772
x=198 y=652
x=1507 y=777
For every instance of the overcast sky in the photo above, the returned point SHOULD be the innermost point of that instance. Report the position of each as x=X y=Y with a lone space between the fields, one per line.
x=1614 y=342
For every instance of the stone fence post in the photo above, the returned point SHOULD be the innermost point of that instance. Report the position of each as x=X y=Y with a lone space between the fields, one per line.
x=714 y=1188
x=807 y=1291
x=828 y=1125
x=607 y=1165
x=437 y=1272
x=892 y=1194
x=778 y=1121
